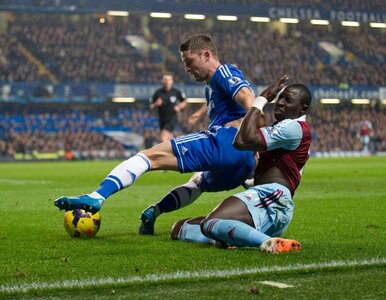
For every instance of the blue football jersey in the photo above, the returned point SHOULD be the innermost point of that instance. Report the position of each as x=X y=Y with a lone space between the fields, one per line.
x=220 y=95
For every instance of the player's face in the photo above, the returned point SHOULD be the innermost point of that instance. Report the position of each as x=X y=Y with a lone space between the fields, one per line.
x=196 y=65
x=167 y=81
x=288 y=105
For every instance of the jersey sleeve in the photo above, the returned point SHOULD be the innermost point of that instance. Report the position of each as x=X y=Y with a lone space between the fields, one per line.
x=286 y=134
x=233 y=80
x=181 y=96
x=155 y=96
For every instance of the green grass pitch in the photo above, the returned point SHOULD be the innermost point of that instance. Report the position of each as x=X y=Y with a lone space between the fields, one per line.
x=339 y=218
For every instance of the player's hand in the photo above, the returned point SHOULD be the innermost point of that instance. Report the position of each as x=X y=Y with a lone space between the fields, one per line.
x=257 y=157
x=271 y=91
x=158 y=102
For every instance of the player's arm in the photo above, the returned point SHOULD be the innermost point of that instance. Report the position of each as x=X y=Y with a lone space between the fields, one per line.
x=156 y=103
x=181 y=102
x=248 y=136
x=180 y=106
x=155 y=100
x=245 y=97
x=196 y=115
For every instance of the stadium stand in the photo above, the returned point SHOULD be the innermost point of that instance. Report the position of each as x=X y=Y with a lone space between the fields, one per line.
x=71 y=58
x=88 y=51
x=41 y=131
x=27 y=133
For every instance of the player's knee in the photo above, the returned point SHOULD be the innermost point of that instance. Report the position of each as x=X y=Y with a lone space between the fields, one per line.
x=196 y=178
x=203 y=225
x=176 y=229
x=161 y=157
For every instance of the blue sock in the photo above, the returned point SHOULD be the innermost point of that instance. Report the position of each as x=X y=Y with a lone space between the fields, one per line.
x=234 y=233
x=109 y=187
x=192 y=233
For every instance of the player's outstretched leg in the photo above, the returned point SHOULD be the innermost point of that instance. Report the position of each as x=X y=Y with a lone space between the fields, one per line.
x=277 y=245
x=123 y=175
x=177 y=198
x=85 y=202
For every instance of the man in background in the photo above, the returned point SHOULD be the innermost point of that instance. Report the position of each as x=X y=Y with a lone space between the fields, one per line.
x=365 y=133
x=169 y=101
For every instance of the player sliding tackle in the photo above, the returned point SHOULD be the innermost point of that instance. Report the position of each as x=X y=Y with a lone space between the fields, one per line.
x=258 y=216
x=210 y=153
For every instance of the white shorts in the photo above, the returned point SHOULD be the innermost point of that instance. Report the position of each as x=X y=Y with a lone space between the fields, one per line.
x=270 y=206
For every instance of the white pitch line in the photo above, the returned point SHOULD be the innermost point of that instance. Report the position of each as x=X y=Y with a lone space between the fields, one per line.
x=69 y=284
x=18 y=181
x=279 y=285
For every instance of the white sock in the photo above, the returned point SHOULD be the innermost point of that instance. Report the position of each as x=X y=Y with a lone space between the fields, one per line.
x=129 y=170
x=96 y=195
x=123 y=175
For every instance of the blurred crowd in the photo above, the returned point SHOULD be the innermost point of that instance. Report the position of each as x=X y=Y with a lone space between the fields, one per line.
x=80 y=51
x=80 y=133
x=138 y=49
x=14 y=65
x=369 y=5
x=339 y=129
x=77 y=133
x=81 y=48
x=263 y=52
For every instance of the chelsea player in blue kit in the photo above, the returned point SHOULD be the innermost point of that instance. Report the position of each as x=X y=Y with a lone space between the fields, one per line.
x=218 y=165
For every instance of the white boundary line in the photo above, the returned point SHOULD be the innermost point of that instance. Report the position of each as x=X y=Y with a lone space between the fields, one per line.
x=17 y=181
x=279 y=285
x=70 y=284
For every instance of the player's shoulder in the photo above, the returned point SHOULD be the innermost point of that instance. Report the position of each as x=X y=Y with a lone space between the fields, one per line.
x=294 y=127
x=175 y=90
x=229 y=75
x=289 y=125
x=293 y=121
x=286 y=122
x=229 y=70
x=158 y=91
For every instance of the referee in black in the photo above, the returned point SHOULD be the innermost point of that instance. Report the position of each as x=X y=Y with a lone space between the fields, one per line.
x=169 y=102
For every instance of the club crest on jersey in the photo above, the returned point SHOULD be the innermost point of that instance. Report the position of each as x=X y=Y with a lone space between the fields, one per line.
x=271 y=131
x=173 y=99
x=234 y=80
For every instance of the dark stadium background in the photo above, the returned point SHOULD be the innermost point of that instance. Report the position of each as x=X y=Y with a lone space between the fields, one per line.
x=65 y=67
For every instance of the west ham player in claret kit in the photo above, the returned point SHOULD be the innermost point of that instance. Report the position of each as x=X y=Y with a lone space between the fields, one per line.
x=258 y=216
